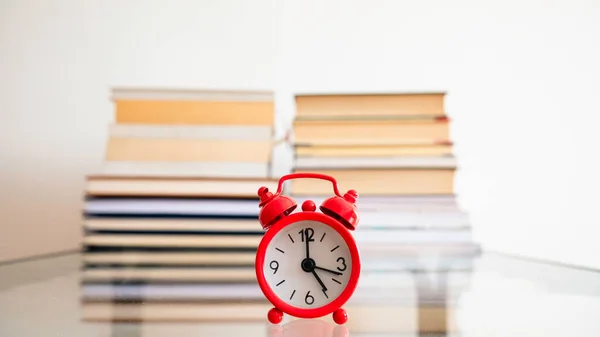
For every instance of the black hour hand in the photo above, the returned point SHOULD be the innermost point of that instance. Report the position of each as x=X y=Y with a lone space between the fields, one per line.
x=307 y=247
x=329 y=270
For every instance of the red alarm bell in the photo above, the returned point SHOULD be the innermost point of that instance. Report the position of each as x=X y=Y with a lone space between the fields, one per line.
x=342 y=208
x=275 y=206
x=308 y=263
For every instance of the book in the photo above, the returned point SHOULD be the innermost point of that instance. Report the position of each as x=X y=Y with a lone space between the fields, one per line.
x=354 y=162
x=153 y=207
x=373 y=132
x=227 y=214
x=182 y=169
x=249 y=240
x=395 y=150
x=169 y=153
x=137 y=149
x=136 y=185
x=161 y=106
x=203 y=131
x=371 y=149
x=376 y=181
x=372 y=260
x=170 y=224
x=370 y=104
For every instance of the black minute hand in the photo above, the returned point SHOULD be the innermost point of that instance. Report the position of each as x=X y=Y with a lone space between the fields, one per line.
x=319 y=280
x=331 y=271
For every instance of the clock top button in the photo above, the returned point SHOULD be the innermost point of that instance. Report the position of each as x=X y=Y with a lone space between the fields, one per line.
x=309 y=206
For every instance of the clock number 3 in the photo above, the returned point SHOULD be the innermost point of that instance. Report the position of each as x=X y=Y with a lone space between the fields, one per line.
x=343 y=263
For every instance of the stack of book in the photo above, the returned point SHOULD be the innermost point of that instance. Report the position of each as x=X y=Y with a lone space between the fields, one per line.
x=172 y=215
x=395 y=150
x=171 y=222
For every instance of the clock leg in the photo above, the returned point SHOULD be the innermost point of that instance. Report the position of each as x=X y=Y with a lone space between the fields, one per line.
x=340 y=316
x=275 y=316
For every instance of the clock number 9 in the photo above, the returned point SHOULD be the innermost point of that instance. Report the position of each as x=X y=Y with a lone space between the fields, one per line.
x=274 y=265
x=306 y=298
x=343 y=263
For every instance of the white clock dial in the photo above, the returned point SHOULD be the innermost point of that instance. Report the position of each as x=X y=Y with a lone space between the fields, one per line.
x=307 y=282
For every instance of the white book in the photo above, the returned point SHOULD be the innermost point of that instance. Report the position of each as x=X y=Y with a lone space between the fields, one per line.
x=389 y=285
x=253 y=293
x=187 y=169
x=188 y=207
x=384 y=219
x=171 y=225
x=372 y=261
x=374 y=236
x=390 y=263
x=423 y=249
x=133 y=93
x=372 y=202
x=242 y=291
x=446 y=162
x=413 y=219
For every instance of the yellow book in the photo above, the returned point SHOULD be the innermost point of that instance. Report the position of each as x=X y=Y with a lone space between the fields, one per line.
x=373 y=150
x=371 y=104
x=371 y=132
x=193 y=107
x=379 y=182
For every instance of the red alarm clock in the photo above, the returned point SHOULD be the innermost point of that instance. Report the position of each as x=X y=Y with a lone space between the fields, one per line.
x=307 y=263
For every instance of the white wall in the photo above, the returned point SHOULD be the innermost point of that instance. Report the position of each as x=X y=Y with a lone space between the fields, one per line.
x=521 y=77
x=58 y=60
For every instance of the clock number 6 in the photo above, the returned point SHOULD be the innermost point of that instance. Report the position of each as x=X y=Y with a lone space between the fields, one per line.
x=312 y=299
x=274 y=268
x=343 y=263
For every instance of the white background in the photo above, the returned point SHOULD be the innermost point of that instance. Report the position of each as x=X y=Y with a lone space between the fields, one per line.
x=522 y=78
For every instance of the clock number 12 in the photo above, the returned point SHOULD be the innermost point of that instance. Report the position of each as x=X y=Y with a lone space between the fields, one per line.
x=307 y=233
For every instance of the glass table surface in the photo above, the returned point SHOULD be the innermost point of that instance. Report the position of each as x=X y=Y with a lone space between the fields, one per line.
x=490 y=295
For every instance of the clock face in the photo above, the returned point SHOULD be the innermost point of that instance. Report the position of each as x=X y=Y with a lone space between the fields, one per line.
x=307 y=264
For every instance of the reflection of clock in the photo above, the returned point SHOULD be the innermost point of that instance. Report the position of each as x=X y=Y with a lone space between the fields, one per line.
x=308 y=263
x=307 y=327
